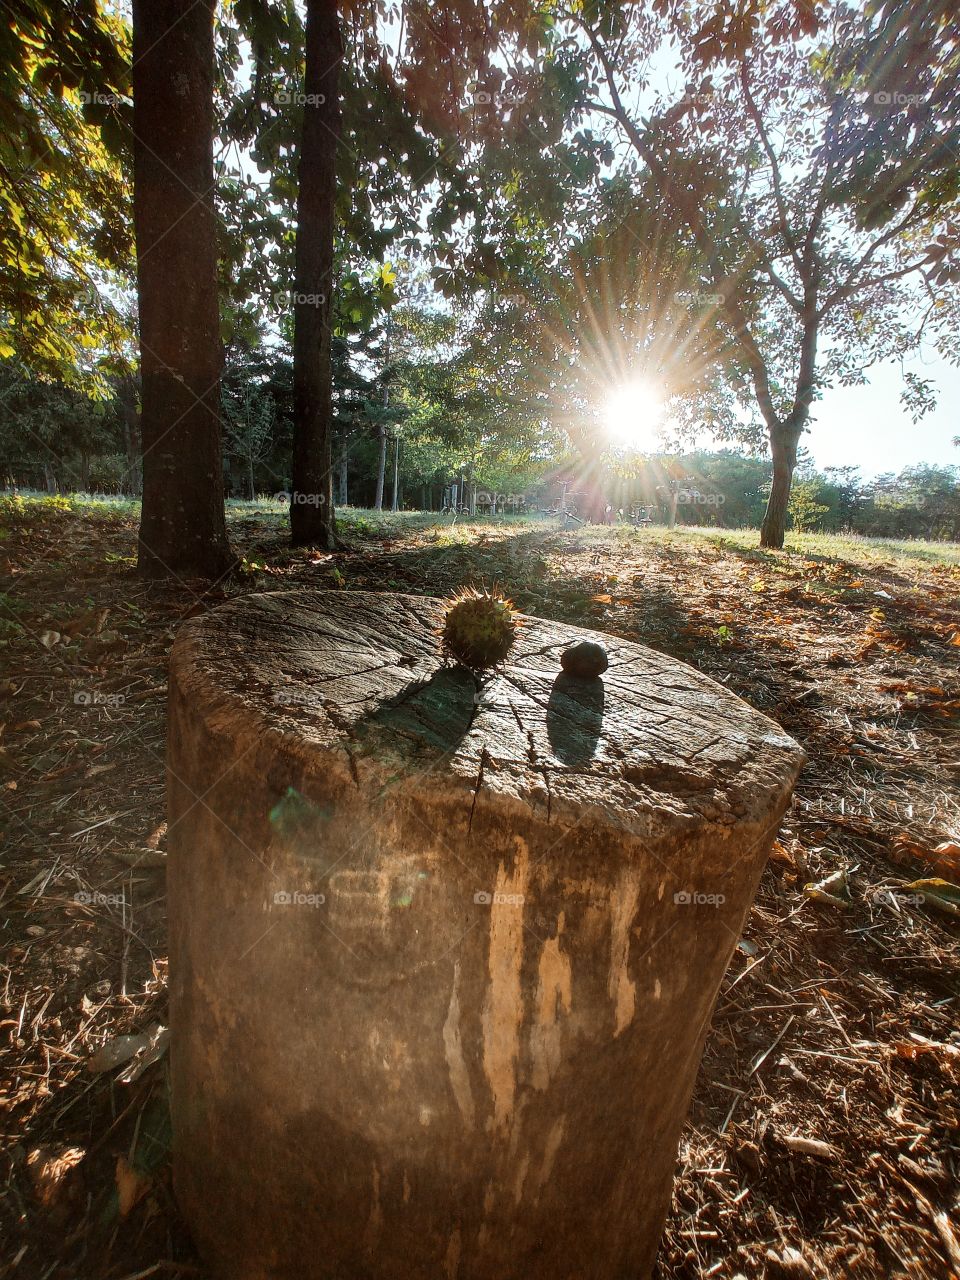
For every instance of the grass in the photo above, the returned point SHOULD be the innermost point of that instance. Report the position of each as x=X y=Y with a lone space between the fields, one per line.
x=365 y=521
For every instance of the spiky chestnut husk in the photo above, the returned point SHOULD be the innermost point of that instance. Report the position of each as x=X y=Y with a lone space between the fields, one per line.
x=479 y=628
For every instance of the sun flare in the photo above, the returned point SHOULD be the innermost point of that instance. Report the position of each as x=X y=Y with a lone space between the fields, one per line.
x=633 y=415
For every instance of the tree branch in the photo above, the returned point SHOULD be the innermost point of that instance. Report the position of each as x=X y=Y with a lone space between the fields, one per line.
x=754 y=114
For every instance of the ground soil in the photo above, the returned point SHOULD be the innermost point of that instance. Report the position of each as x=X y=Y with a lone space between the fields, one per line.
x=824 y=1138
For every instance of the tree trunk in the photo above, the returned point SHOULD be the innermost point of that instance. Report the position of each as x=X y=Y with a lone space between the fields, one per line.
x=783 y=447
x=182 y=528
x=395 y=502
x=343 y=471
x=130 y=416
x=673 y=499
x=381 y=468
x=311 y=503
x=785 y=434
x=253 y=487
x=382 y=434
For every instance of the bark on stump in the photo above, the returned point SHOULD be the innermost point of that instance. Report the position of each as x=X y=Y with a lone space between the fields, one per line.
x=442 y=960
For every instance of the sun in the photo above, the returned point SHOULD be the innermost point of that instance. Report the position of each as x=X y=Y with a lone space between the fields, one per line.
x=633 y=415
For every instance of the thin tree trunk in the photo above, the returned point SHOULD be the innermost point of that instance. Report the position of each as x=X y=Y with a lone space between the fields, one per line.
x=381 y=467
x=382 y=432
x=785 y=436
x=130 y=417
x=673 y=498
x=783 y=447
x=343 y=471
x=182 y=528
x=395 y=503
x=311 y=505
x=253 y=489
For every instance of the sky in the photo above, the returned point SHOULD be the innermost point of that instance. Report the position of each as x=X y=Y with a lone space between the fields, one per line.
x=867 y=426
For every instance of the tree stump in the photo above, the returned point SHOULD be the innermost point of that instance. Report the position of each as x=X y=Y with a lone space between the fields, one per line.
x=443 y=955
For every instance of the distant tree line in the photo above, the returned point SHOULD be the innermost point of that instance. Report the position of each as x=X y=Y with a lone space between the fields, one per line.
x=55 y=438
x=730 y=490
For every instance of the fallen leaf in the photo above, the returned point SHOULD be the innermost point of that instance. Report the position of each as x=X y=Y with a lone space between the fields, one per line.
x=132 y=1185
x=809 y=1146
x=946 y=858
x=159 y=1043
x=918 y=1046
x=789 y=1263
x=98 y=768
x=49 y=638
x=116 y=1052
x=829 y=890
x=937 y=893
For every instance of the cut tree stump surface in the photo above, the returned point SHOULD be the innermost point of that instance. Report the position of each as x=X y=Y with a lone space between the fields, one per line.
x=651 y=746
x=444 y=951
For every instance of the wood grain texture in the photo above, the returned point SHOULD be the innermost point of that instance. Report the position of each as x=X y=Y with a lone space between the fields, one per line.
x=443 y=954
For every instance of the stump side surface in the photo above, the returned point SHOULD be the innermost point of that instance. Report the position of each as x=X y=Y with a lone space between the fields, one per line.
x=357 y=679
x=391 y=1076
